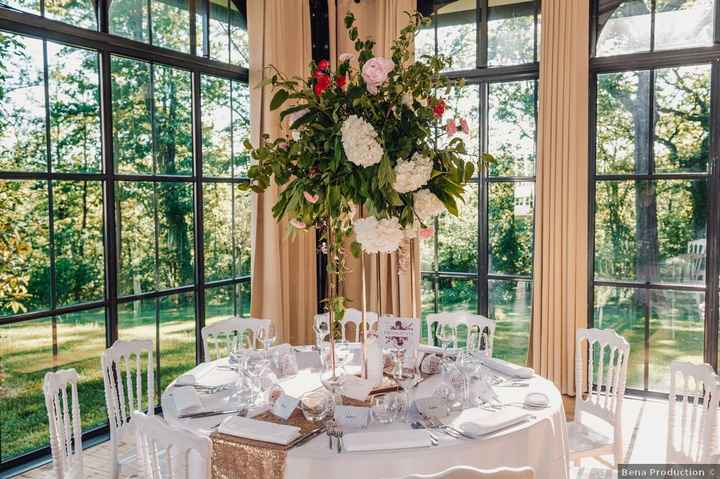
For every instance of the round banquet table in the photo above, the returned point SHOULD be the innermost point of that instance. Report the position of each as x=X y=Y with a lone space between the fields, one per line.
x=540 y=442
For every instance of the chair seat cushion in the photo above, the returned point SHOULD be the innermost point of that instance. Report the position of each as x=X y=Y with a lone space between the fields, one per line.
x=583 y=439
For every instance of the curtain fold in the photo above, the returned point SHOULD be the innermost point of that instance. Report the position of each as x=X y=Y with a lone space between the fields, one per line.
x=389 y=290
x=560 y=299
x=283 y=269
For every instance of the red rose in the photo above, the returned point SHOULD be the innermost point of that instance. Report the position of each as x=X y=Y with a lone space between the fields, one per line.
x=317 y=74
x=322 y=84
x=341 y=81
x=439 y=109
x=323 y=64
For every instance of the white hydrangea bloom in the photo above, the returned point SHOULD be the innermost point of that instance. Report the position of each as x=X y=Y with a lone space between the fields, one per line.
x=360 y=142
x=379 y=236
x=427 y=204
x=412 y=174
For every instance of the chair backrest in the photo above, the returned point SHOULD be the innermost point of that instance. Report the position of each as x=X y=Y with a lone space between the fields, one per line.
x=606 y=354
x=484 y=325
x=463 y=472
x=454 y=319
x=122 y=362
x=64 y=421
x=167 y=452
x=354 y=316
x=223 y=333
x=692 y=410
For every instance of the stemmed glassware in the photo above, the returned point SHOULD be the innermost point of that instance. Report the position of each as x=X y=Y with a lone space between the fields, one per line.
x=467 y=363
x=267 y=337
x=406 y=374
x=447 y=335
x=257 y=363
x=321 y=331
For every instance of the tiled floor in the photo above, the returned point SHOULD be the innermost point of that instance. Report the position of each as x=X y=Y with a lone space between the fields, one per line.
x=644 y=439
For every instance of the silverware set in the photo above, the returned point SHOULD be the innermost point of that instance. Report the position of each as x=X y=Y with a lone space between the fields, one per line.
x=335 y=436
x=239 y=412
x=205 y=389
x=433 y=423
x=433 y=438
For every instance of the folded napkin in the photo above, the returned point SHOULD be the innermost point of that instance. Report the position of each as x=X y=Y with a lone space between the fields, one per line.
x=193 y=376
x=382 y=440
x=480 y=424
x=509 y=369
x=186 y=400
x=259 y=430
x=356 y=388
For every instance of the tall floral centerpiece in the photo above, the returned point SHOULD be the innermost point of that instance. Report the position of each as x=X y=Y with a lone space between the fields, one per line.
x=362 y=162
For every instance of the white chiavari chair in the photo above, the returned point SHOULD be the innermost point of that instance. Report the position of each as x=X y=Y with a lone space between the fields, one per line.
x=165 y=452
x=463 y=472
x=454 y=319
x=486 y=329
x=122 y=366
x=219 y=337
x=354 y=316
x=606 y=360
x=692 y=413
x=63 y=411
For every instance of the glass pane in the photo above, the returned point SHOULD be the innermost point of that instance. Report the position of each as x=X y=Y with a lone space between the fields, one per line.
x=683 y=24
x=623 y=112
x=78 y=13
x=243 y=225
x=682 y=121
x=129 y=19
x=624 y=29
x=427 y=306
x=216 y=126
x=219 y=304
x=22 y=104
x=171 y=24
x=33 y=348
x=240 y=127
x=32 y=6
x=199 y=27
x=458 y=236
x=239 y=50
x=78 y=224
x=242 y=290
x=427 y=252
x=219 y=34
x=661 y=240
x=677 y=323
x=511 y=128
x=25 y=265
x=457 y=294
x=510 y=219
x=510 y=304
x=457 y=33
x=425 y=41
x=177 y=336
x=173 y=121
x=176 y=244
x=511 y=32
x=74 y=109
x=623 y=309
x=136 y=237
x=132 y=119
x=218 y=240
x=465 y=105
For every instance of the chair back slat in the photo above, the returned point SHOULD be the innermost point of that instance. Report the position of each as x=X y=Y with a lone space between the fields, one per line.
x=64 y=422
x=354 y=316
x=165 y=452
x=473 y=322
x=219 y=337
x=694 y=397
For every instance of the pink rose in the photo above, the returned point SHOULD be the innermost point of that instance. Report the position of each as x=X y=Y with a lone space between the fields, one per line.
x=311 y=198
x=426 y=233
x=464 y=126
x=298 y=224
x=375 y=72
x=451 y=127
x=284 y=146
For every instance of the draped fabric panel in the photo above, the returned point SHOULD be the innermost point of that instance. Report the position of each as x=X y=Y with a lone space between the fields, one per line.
x=560 y=302
x=389 y=290
x=283 y=269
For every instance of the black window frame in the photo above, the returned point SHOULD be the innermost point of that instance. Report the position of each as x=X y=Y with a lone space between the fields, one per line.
x=652 y=61
x=106 y=46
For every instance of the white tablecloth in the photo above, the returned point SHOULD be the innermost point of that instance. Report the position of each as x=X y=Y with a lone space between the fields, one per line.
x=540 y=443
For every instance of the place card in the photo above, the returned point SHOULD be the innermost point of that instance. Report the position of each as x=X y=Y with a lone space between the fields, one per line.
x=432 y=407
x=284 y=406
x=352 y=416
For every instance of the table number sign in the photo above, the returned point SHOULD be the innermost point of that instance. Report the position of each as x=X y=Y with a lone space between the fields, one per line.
x=284 y=406
x=399 y=333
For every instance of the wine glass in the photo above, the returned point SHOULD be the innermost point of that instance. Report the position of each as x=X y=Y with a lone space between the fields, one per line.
x=467 y=363
x=267 y=336
x=333 y=380
x=447 y=335
x=238 y=351
x=321 y=330
x=406 y=374
x=257 y=363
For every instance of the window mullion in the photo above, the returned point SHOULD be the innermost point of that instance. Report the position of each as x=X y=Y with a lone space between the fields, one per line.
x=199 y=231
x=483 y=187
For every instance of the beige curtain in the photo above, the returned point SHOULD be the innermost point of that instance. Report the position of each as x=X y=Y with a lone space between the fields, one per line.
x=560 y=287
x=283 y=270
x=389 y=290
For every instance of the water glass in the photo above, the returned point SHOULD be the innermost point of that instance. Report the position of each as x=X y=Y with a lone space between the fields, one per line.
x=385 y=408
x=447 y=335
x=317 y=405
x=321 y=330
x=267 y=336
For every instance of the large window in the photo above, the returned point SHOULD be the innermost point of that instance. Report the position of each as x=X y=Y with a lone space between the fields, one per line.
x=121 y=213
x=654 y=183
x=482 y=260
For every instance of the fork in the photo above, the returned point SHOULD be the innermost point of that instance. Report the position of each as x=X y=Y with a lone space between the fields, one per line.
x=446 y=427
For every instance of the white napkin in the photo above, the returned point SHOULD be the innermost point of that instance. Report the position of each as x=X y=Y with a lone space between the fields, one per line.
x=259 y=430
x=186 y=400
x=193 y=376
x=382 y=440
x=509 y=369
x=479 y=423
x=357 y=388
